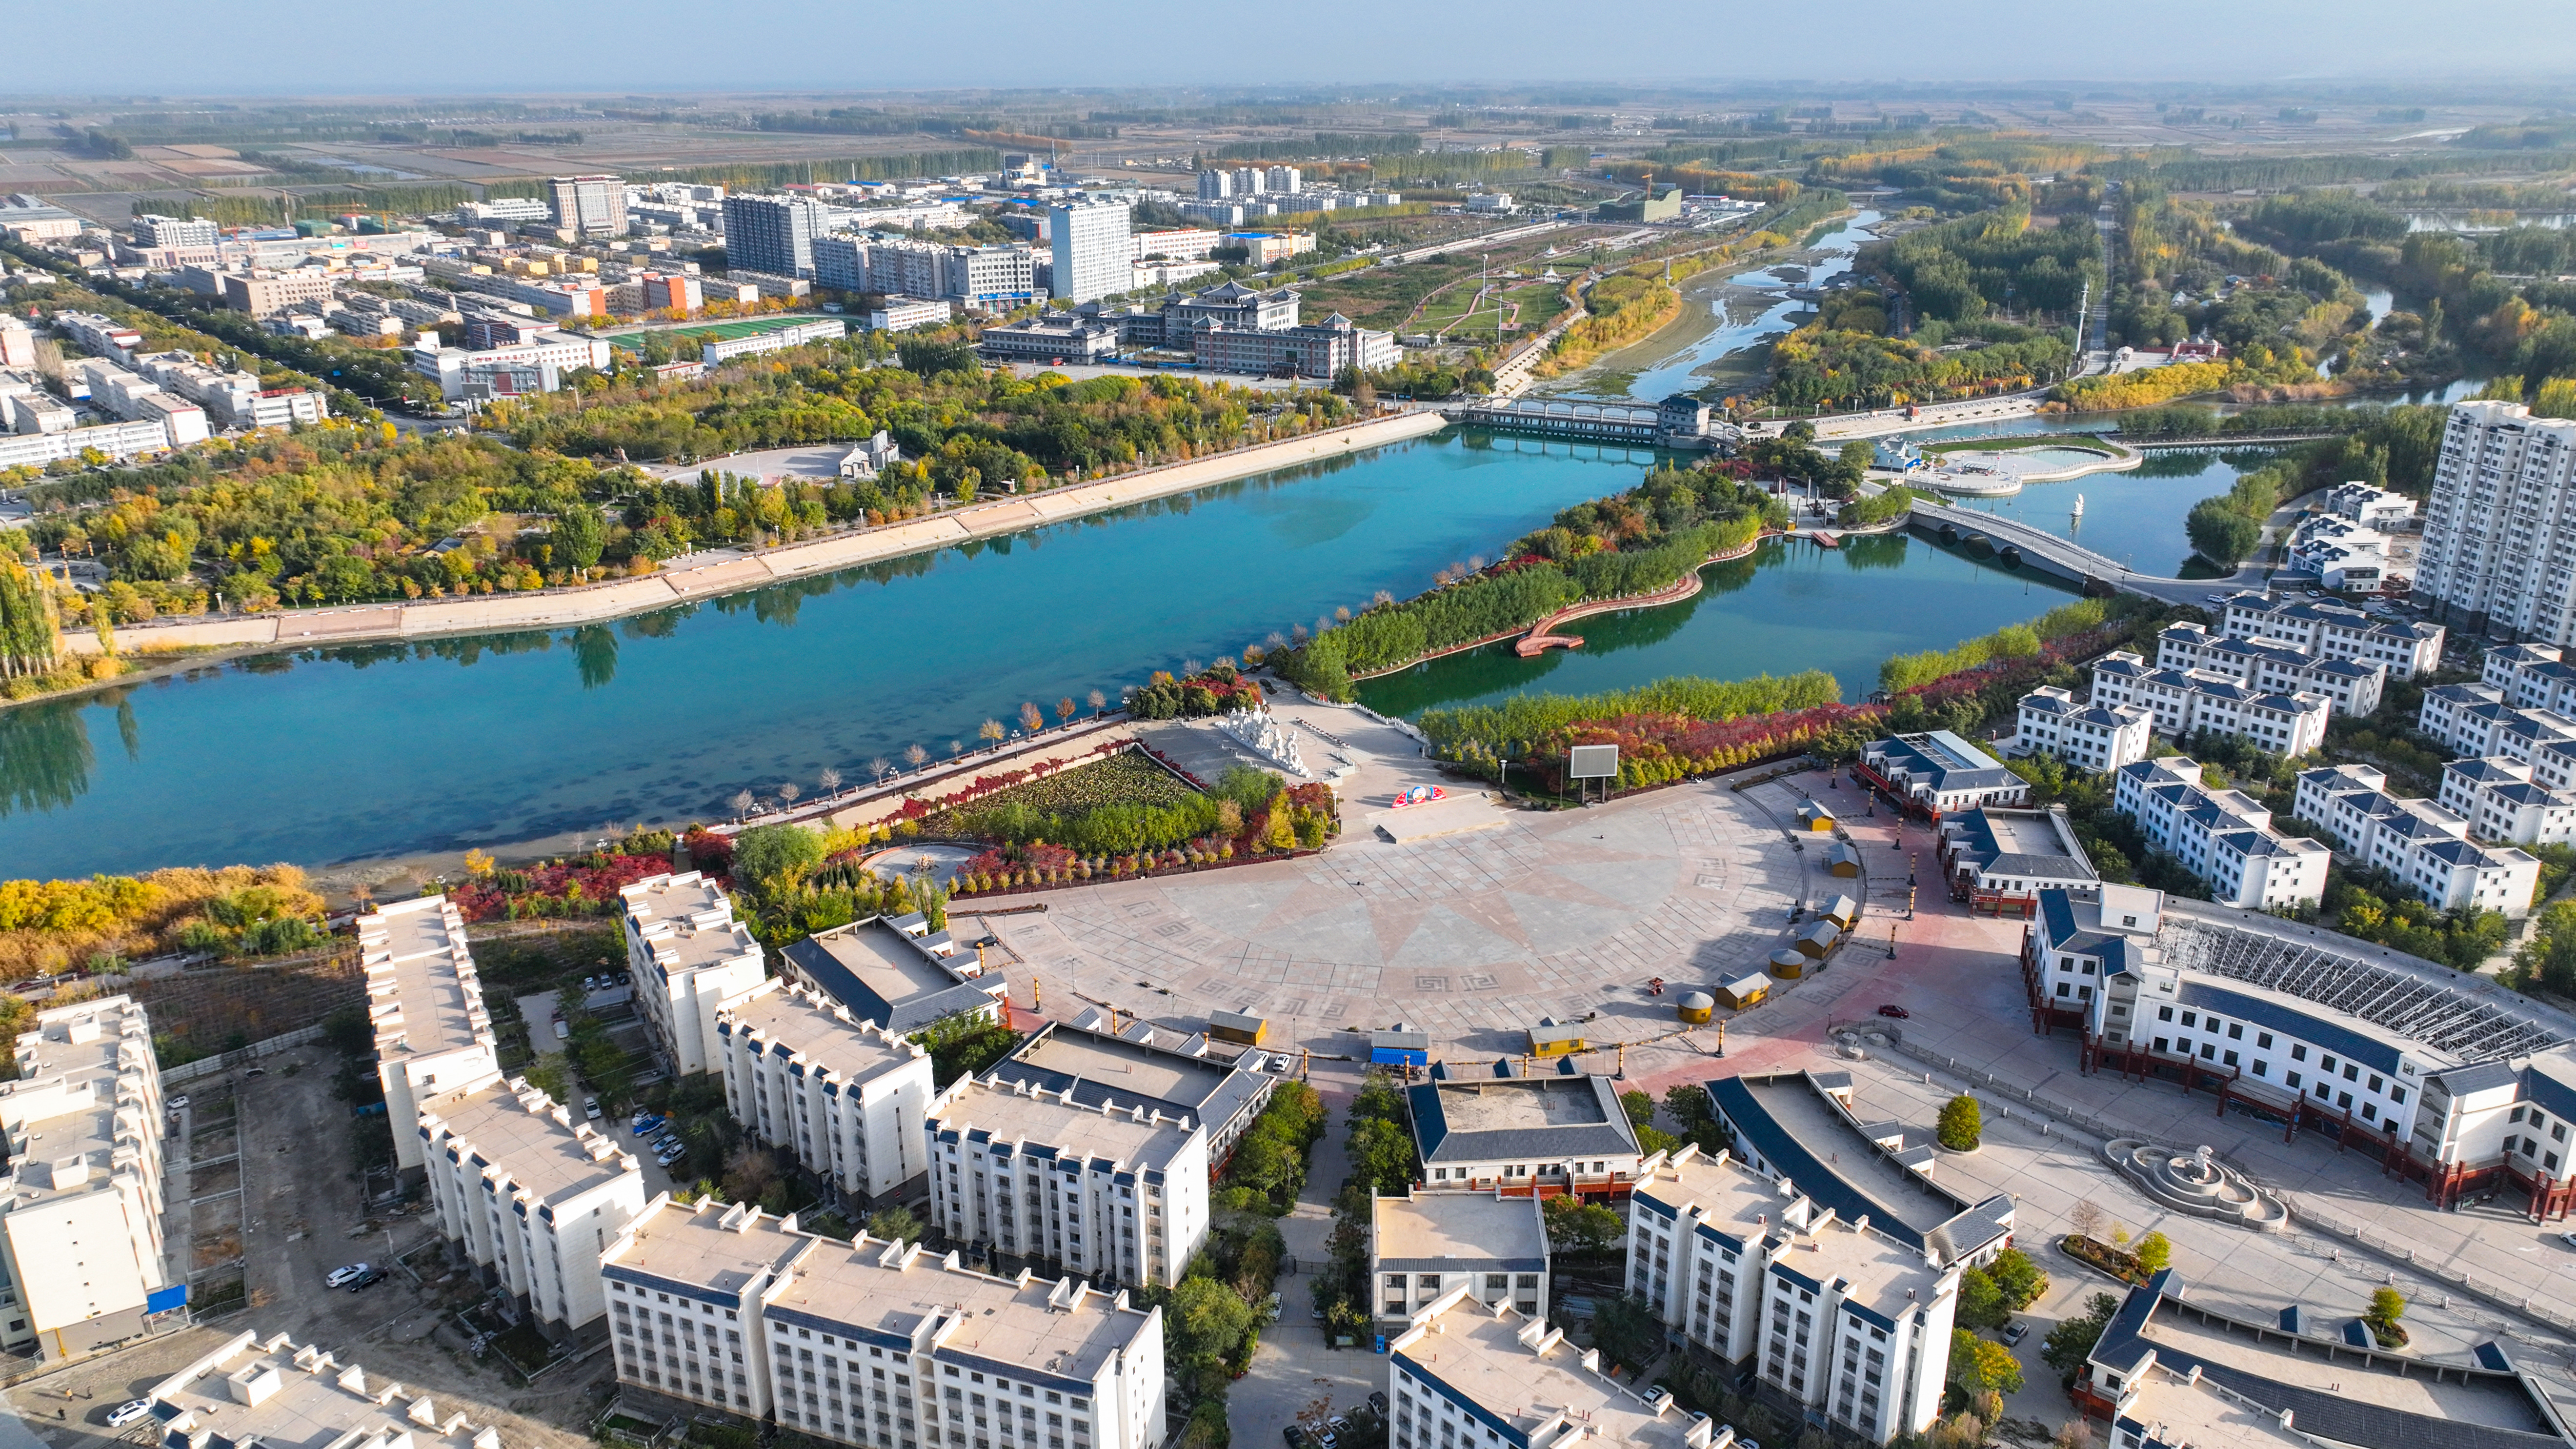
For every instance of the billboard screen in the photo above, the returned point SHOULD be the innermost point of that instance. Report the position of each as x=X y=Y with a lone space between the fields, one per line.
x=1593 y=762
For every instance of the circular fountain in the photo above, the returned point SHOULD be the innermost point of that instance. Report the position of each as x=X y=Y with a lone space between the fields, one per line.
x=2196 y=1182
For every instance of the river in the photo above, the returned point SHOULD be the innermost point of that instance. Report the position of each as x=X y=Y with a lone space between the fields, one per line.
x=530 y=741
x=1746 y=322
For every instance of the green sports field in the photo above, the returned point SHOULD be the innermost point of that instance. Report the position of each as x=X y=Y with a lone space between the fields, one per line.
x=717 y=331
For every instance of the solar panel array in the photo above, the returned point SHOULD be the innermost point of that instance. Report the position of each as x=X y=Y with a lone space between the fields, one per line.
x=2440 y=1016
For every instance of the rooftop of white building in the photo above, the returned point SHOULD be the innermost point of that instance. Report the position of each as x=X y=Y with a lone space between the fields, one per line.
x=905 y=1295
x=1525 y=1373
x=980 y=1111
x=79 y=1109
x=714 y=1250
x=817 y=1030
x=687 y=921
x=269 y=1392
x=516 y=1129
x=1426 y=1230
x=423 y=995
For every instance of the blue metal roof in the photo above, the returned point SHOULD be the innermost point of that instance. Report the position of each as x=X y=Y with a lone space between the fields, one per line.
x=2329 y=1034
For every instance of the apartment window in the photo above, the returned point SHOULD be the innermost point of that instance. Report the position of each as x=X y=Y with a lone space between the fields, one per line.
x=2298 y=1053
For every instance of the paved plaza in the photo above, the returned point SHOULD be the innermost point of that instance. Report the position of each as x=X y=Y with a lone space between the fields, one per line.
x=1474 y=937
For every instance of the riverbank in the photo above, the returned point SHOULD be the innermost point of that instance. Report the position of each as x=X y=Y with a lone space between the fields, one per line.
x=732 y=571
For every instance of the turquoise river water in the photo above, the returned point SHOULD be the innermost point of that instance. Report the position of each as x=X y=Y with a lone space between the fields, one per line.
x=335 y=755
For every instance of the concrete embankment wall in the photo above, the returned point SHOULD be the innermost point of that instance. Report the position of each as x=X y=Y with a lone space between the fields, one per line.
x=556 y=608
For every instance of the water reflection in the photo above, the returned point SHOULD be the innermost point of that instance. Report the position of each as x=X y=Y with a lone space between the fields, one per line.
x=45 y=756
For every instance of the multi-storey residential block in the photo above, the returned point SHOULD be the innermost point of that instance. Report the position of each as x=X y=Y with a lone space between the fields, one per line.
x=774 y=234
x=175 y=232
x=232 y=399
x=690 y=958
x=1117 y=1191
x=1046 y=1365
x=1422 y=1245
x=2274 y=665
x=2460 y=1093
x=425 y=1002
x=2225 y=837
x=1464 y=1373
x=2531 y=676
x=98 y=336
x=530 y=1193
x=2096 y=737
x=1536 y=1136
x=80 y=1203
x=1829 y=1313
x=2425 y=846
x=862 y=1343
x=845 y=1096
x=137 y=398
x=686 y=1286
x=2188 y=702
x=2329 y=630
x=590 y=205
x=2476 y=719
x=1999 y=860
x=2501 y=800
x=1171 y=1073
x=2370 y=507
x=1323 y=349
x=1094 y=256
x=249 y=1390
x=264 y=294
x=1941 y=772
x=2498 y=550
x=537 y=362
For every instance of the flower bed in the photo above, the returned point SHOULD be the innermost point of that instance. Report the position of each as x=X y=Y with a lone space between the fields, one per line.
x=584 y=885
x=1121 y=778
x=2096 y=1254
x=1277 y=831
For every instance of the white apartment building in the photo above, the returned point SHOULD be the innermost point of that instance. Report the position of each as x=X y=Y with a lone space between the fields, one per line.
x=690 y=959
x=2501 y=800
x=1178 y=243
x=249 y=1390
x=2531 y=676
x=1017 y=1362
x=426 y=1005
x=117 y=440
x=2096 y=737
x=2186 y=702
x=859 y=1343
x=1423 y=1245
x=2330 y=630
x=2225 y=837
x=2348 y=557
x=685 y=1287
x=591 y=205
x=903 y=314
x=2274 y=665
x=2498 y=549
x=2476 y=720
x=138 y=399
x=1116 y=1192
x=232 y=399
x=544 y=357
x=80 y=1203
x=2370 y=507
x=847 y=1097
x=1464 y=1373
x=1094 y=254
x=1840 y=1317
x=98 y=336
x=532 y=1194
x=2423 y=845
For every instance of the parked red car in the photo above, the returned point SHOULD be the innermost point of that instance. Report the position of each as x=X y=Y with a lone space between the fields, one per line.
x=1891 y=1009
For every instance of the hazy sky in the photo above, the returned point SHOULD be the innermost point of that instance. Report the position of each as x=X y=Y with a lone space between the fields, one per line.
x=186 y=47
